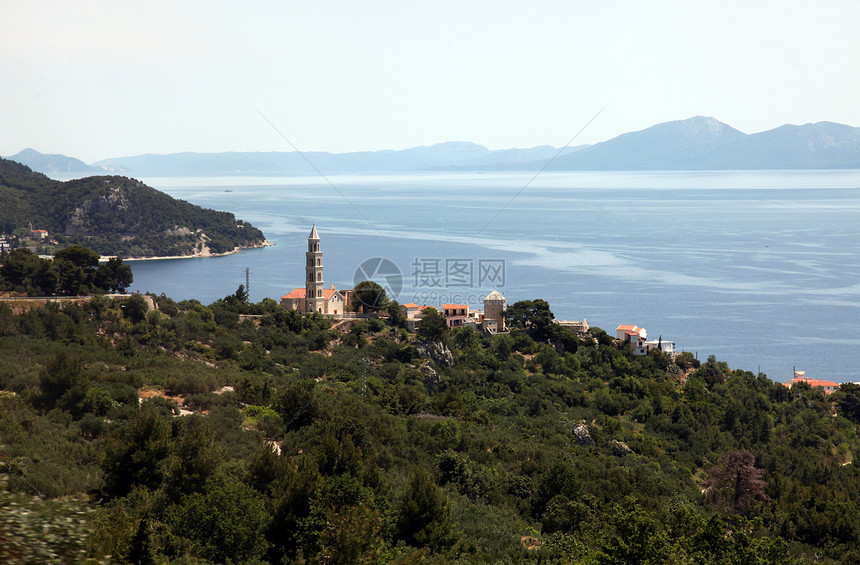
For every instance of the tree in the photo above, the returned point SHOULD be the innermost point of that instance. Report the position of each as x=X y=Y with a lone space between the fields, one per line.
x=532 y=315
x=560 y=479
x=713 y=372
x=396 y=316
x=113 y=276
x=16 y=267
x=369 y=296
x=77 y=267
x=195 y=455
x=736 y=482
x=563 y=339
x=432 y=326
x=63 y=383
x=227 y=522
x=45 y=278
x=633 y=537
x=424 y=514
x=297 y=404
x=22 y=270
x=135 y=308
x=137 y=454
x=847 y=398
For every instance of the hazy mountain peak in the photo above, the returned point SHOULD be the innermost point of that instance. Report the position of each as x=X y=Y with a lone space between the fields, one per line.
x=26 y=153
x=706 y=126
x=50 y=163
x=698 y=129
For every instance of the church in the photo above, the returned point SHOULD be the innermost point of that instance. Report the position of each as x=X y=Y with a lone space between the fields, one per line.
x=314 y=297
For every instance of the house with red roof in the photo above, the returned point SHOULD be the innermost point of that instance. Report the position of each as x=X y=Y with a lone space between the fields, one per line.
x=333 y=300
x=800 y=377
x=412 y=312
x=634 y=336
x=455 y=314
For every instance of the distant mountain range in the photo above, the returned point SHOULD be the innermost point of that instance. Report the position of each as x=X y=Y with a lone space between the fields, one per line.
x=450 y=155
x=705 y=143
x=698 y=143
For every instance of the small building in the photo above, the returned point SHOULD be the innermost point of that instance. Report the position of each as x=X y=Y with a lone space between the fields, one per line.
x=39 y=234
x=800 y=377
x=455 y=314
x=412 y=312
x=580 y=327
x=633 y=336
x=667 y=347
x=493 y=320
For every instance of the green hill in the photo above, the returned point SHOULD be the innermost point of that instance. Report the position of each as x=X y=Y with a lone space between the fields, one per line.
x=116 y=215
x=356 y=442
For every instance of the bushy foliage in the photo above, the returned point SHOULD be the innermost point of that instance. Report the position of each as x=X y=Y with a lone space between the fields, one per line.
x=73 y=271
x=310 y=442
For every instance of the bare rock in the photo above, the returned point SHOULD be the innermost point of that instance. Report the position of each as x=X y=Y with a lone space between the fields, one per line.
x=580 y=432
x=438 y=352
x=621 y=449
x=431 y=377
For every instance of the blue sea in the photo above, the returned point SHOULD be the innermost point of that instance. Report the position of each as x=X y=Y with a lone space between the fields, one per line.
x=759 y=268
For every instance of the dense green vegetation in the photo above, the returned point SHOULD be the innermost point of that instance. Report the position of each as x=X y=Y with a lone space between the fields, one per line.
x=537 y=446
x=116 y=215
x=73 y=271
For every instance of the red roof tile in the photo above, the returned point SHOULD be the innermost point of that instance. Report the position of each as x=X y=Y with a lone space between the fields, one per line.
x=818 y=382
x=300 y=293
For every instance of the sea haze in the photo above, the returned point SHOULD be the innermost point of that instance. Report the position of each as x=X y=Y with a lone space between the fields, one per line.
x=759 y=268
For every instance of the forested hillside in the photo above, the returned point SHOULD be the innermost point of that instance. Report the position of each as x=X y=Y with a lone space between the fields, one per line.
x=198 y=434
x=115 y=215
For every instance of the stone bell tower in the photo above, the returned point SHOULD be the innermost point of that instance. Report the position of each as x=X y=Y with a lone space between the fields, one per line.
x=314 y=300
x=494 y=308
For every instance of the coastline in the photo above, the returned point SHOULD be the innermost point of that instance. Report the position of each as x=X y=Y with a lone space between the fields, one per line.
x=196 y=255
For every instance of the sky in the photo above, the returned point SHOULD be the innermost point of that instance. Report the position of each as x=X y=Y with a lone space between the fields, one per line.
x=97 y=79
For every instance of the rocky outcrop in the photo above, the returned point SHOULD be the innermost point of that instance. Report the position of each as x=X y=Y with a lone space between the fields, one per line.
x=621 y=449
x=78 y=222
x=580 y=432
x=438 y=352
x=431 y=377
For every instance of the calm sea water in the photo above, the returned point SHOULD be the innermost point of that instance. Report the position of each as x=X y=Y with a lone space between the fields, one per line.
x=760 y=269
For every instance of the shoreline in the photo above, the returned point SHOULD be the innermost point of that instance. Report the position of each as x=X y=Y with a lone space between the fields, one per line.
x=195 y=255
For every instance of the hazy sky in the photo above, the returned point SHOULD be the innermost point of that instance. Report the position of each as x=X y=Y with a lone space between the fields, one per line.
x=98 y=79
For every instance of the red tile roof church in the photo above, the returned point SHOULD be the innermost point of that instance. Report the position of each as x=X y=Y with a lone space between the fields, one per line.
x=314 y=297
